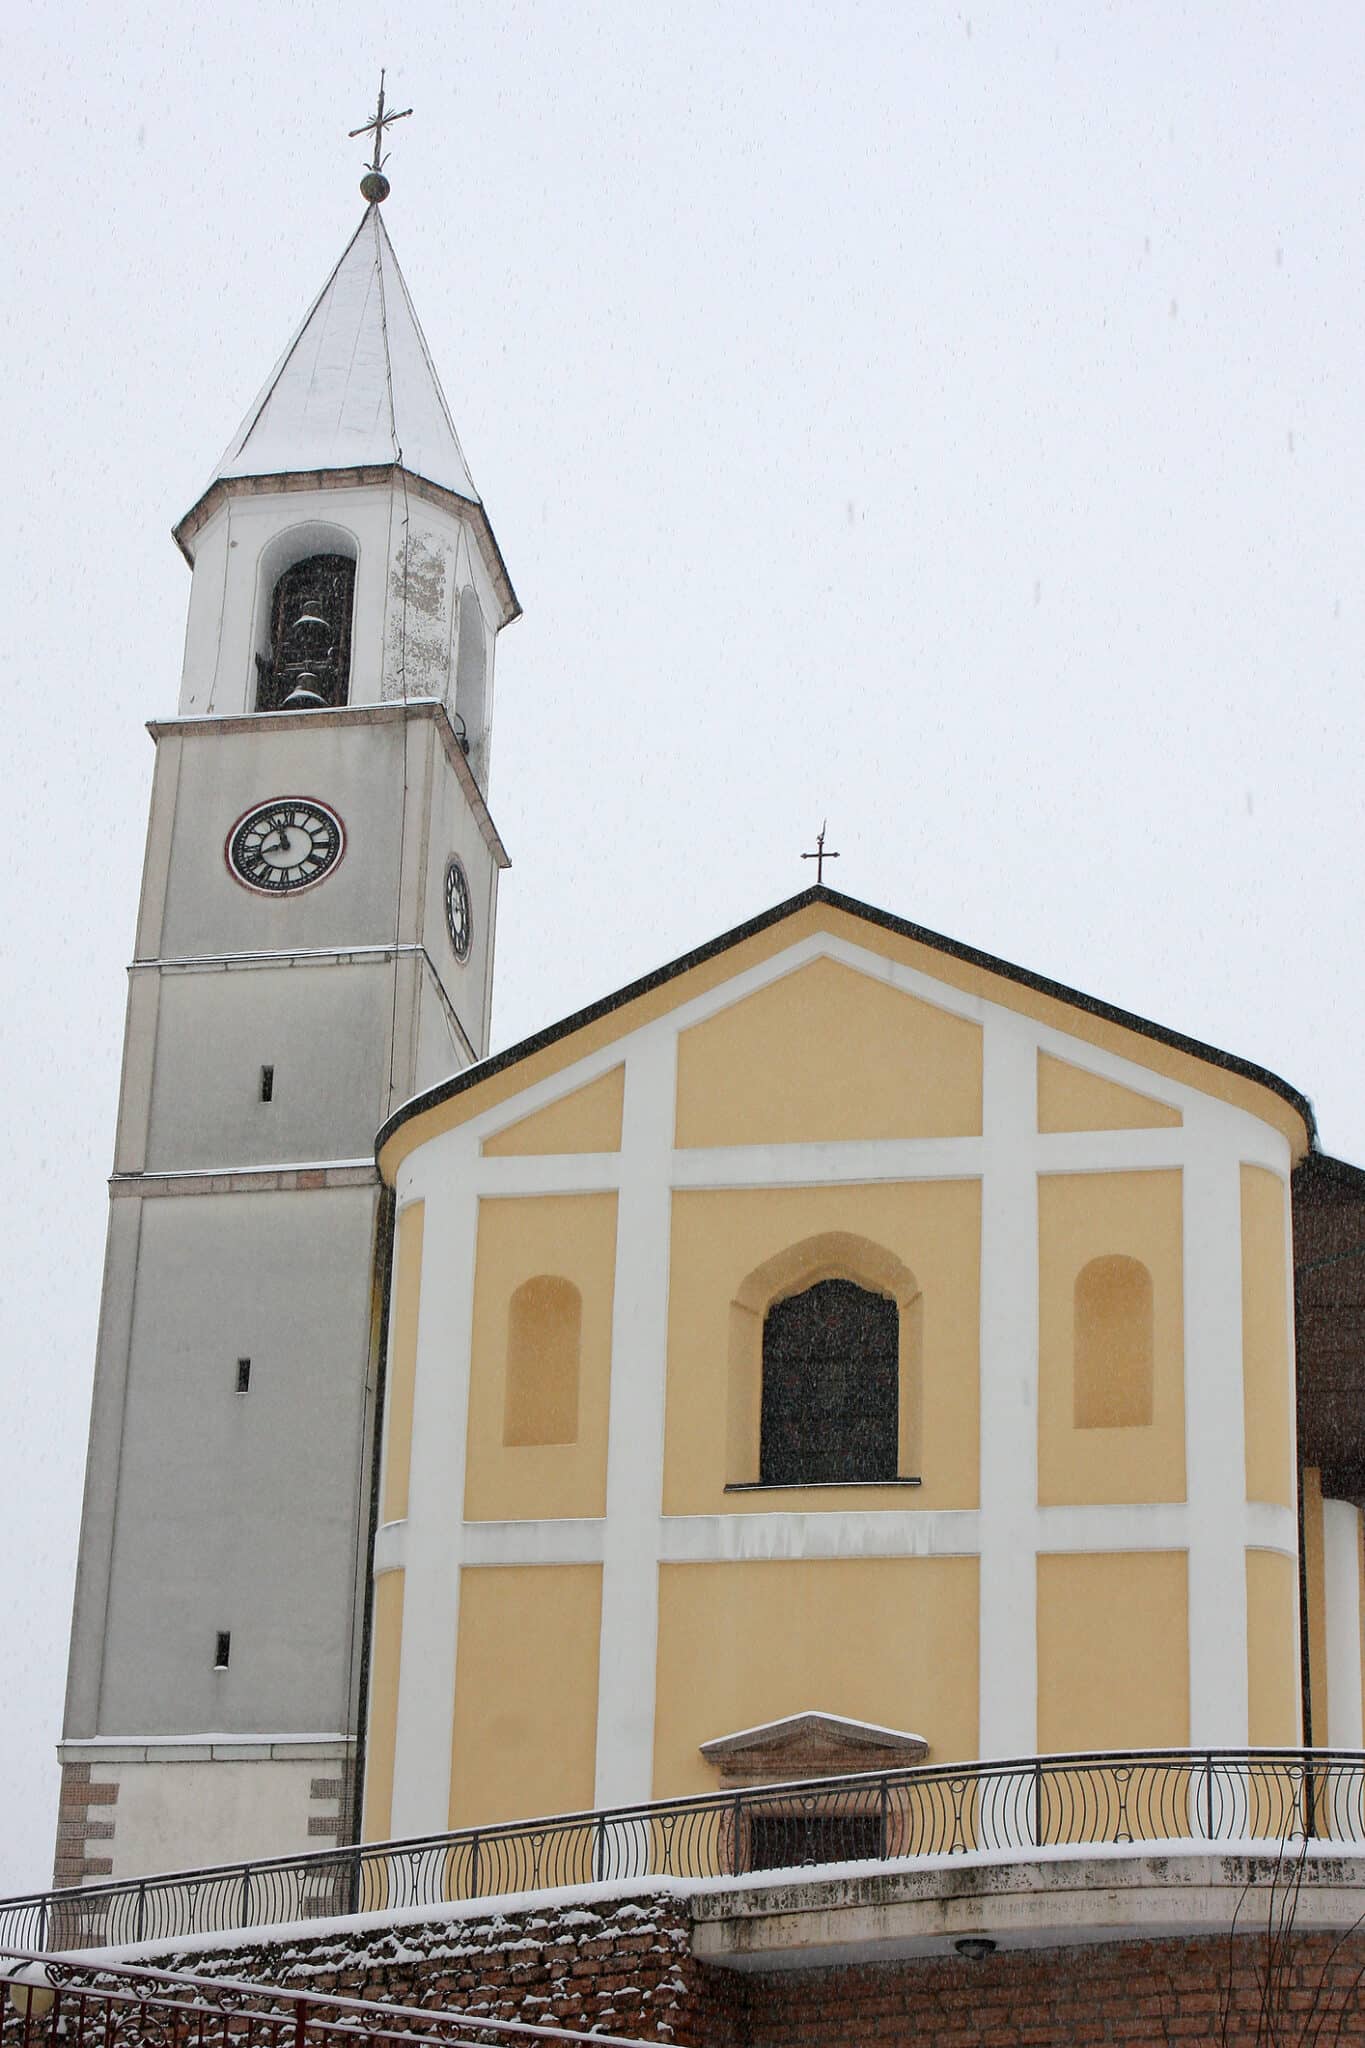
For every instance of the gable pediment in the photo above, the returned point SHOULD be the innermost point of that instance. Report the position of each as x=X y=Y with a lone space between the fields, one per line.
x=812 y=1003
x=810 y=1745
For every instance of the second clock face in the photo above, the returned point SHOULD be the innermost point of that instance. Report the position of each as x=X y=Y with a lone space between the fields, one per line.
x=290 y=843
x=459 y=910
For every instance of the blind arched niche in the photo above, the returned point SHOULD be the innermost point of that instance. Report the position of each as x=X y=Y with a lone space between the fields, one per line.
x=1113 y=1344
x=544 y=1346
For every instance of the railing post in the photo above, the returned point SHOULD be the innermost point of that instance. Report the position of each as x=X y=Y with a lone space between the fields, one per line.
x=244 y=1915
x=474 y=1866
x=737 y=1819
x=140 y=1917
x=599 y=1854
x=1037 y=1803
x=882 y=1848
x=353 y=1890
x=1208 y=1795
x=42 y=1922
x=301 y=2023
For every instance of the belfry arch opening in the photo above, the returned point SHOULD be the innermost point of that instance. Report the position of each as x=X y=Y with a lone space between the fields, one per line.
x=305 y=606
x=471 y=676
x=825 y=1357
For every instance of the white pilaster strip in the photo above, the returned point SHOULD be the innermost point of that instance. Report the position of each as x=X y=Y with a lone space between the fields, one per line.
x=1009 y=1379
x=434 y=1546
x=635 y=1434
x=1215 y=1436
x=1341 y=1571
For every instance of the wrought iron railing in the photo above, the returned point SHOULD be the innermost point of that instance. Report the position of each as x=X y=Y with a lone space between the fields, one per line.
x=67 y=2004
x=997 y=1808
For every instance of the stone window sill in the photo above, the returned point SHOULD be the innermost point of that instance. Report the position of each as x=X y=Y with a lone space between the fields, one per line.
x=813 y=1485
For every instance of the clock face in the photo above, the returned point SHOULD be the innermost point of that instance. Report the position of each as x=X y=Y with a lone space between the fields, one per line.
x=459 y=913
x=290 y=843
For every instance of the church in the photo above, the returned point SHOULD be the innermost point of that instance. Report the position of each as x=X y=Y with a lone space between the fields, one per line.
x=840 y=1350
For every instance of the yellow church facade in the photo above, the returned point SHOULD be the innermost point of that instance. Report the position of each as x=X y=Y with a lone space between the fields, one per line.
x=838 y=1323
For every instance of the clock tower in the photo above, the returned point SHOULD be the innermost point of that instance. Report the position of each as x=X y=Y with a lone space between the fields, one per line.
x=314 y=944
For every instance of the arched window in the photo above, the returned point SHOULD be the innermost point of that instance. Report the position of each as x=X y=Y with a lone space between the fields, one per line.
x=544 y=1332
x=309 y=664
x=831 y=1387
x=1113 y=1344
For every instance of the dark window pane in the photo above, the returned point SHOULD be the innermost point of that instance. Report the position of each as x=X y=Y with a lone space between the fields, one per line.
x=779 y=1840
x=831 y=1387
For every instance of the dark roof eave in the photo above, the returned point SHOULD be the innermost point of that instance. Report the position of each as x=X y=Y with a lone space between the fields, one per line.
x=444 y=1091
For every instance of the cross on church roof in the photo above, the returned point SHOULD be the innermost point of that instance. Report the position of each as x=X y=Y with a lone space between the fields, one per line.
x=374 y=185
x=820 y=856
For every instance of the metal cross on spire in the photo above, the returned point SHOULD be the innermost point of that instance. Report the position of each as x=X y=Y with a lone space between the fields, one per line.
x=820 y=856
x=374 y=186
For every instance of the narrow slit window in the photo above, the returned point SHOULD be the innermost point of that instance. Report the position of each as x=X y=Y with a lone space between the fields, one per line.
x=222 y=1654
x=267 y=1084
x=243 y=1375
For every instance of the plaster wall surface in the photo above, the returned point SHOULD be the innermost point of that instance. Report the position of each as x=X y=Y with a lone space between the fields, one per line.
x=1176 y=1518
x=1341 y=1545
x=324 y=1031
x=218 y=1804
x=213 y=1510
x=383 y=781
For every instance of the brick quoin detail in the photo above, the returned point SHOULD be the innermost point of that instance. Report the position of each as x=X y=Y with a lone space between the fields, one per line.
x=336 y=1826
x=627 y=1967
x=78 y=1804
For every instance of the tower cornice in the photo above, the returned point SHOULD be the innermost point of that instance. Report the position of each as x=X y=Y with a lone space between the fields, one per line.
x=371 y=476
x=394 y=713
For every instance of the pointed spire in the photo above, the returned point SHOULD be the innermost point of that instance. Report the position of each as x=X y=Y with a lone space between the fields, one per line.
x=356 y=387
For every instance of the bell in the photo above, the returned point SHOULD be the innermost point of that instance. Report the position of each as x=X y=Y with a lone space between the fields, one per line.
x=311 y=619
x=303 y=697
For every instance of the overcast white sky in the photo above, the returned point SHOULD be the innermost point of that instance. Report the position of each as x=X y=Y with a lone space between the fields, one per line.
x=950 y=421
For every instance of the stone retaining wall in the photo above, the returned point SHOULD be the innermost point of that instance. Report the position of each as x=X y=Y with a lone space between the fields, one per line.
x=623 y=1966
x=626 y=1966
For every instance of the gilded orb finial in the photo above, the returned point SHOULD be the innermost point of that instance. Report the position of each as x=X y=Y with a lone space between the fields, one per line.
x=374 y=186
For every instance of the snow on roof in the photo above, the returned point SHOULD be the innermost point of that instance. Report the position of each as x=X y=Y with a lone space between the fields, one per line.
x=356 y=387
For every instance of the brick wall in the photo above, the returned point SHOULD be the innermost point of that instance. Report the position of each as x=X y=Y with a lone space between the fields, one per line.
x=1141 y=1994
x=626 y=1966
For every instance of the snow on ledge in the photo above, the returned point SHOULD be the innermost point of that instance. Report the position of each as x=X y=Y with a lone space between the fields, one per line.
x=564 y=1898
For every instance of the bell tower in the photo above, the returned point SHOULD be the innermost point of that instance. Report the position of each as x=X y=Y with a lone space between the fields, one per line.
x=314 y=944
